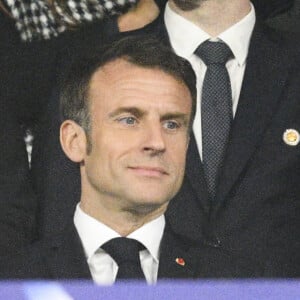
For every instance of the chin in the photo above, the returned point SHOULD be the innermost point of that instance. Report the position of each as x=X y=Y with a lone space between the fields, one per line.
x=146 y=207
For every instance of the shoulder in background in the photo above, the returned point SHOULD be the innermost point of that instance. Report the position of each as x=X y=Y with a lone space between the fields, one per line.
x=282 y=15
x=289 y=20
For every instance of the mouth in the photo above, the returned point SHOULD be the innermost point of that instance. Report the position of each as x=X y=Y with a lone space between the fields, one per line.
x=147 y=171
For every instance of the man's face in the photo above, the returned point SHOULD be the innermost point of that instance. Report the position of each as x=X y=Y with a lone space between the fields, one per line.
x=139 y=137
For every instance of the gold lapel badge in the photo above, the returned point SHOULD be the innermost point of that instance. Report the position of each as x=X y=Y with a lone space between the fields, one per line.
x=180 y=261
x=291 y=137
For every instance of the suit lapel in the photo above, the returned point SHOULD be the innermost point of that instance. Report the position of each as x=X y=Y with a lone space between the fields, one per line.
x=175 y=261
x=195 y=174
x=265 y=76
x=65 y=257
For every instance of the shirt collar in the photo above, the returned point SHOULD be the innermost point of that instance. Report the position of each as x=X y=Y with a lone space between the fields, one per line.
x=185 y=36
x=237 y=37
x=94 y=234
x=150 y=235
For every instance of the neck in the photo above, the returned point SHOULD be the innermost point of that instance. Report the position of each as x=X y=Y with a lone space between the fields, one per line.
x=215 y=16
x=122 y=220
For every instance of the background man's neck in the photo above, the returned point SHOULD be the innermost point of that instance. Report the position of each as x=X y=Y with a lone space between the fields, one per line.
x=215 y=16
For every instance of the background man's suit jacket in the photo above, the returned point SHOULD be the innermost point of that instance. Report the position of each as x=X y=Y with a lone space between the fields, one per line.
x=256 y=214
x=17 y=200
x=288 y=20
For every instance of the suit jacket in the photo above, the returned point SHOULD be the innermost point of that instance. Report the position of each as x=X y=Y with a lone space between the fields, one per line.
x=17 y=200
x=288 y=20
x=255 y=216
x=271 y=8
x=62 y=257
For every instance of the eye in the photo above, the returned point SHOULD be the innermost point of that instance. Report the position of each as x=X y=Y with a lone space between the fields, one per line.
x=127 y=120
x=171 y=125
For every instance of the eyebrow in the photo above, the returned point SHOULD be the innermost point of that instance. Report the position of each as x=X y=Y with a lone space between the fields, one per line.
x=177 y=116
x=140 y=113
x=132 y=110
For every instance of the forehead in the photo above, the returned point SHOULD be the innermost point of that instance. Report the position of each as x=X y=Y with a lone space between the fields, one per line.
x=123 y=80
x=122 y=70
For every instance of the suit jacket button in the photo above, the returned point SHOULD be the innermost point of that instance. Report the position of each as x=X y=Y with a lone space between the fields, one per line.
x=213 y=241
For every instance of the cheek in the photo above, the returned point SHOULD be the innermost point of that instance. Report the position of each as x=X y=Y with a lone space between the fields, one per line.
x=98 y=158
x=178 y=155
x=111 y=152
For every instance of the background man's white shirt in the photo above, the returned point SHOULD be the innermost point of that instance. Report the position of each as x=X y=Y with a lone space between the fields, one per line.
x=185 y=37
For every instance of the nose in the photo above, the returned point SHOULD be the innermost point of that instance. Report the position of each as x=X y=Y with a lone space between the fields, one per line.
x=154 y=140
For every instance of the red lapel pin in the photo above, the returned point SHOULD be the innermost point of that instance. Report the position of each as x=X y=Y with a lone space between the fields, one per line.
x=180 y=261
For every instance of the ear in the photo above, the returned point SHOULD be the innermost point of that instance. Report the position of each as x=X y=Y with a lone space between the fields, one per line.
x=73 y=140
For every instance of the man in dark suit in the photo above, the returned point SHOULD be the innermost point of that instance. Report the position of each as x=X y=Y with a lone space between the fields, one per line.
x=254 y=216
x=254 y=209
x=127 y=117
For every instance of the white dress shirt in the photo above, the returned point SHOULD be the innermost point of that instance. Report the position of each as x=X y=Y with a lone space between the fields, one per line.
x=94 y=234
x=185 y=37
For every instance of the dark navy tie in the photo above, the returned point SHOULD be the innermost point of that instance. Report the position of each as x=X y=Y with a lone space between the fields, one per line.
x=216 y=109
x=125 y=252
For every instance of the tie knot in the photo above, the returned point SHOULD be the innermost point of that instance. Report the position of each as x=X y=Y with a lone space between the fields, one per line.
x=214 y=52
x=123 y=250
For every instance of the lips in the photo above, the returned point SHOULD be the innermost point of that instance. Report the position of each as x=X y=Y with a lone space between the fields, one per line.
x=149 y=171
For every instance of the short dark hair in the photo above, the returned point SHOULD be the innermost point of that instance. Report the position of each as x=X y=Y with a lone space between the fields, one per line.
x=144 y=51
